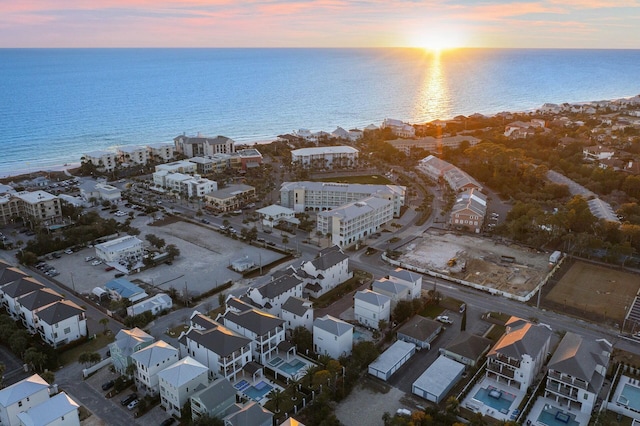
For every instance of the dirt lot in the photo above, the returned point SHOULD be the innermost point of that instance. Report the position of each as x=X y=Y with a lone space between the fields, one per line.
x=205 y=256
x=594 y=289
x=507 y=267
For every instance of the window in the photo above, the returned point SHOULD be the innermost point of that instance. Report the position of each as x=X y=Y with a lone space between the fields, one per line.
x=67 y=330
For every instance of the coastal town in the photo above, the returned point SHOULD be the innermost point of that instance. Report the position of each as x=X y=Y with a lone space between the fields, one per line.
x=480 y=270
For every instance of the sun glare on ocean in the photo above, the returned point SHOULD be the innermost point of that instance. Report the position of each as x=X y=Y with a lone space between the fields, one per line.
x=437 y=40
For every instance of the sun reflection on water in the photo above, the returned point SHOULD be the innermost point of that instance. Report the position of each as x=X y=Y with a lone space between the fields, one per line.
x=433 y=101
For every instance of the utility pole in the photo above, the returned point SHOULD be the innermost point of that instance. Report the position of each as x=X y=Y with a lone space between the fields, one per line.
x=73 y=284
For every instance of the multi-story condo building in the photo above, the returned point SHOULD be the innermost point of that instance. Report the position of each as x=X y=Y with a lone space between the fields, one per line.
x=105 y=161
x=230 y=198
x=138 y=155
x=186 y=185
x=37 y=207
x=469 y=210
x=266 y=331
x=353 y=222
x=161 y=152
x=149 y=361
x=199 y=146
x=431 y=144
x=319 y=196
x=518 y=356
x=437 y=169
x=182 y=166
x=223 y=351
x=399 y=128
x=127 y=248
x=325 y=157
x=576 y=371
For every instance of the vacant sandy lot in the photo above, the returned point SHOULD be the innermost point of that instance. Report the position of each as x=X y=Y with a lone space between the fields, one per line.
x=507 y=267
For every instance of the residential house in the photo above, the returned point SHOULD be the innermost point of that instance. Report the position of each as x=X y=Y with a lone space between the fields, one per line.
x=179 y=381
x=214 y=400
x=420 y=331
x=297 y=312
x=322 y=274
x=13 y=290
x=353 y=222
x=469 y=210
x=230 y=198
x=198 y=146
x=127 y=342
x=325 y=157
x=149 y=361
x=61 y=323
x=274 y=214
x=9 y=274
x=271 y=295
x=223 y=351
x=396 y=291
x=120 y=288
x=577 y=371
x=155 y=304
x=467 y=348
x=519 y=354
x=459 y=180
x=319 y=196
x=412 y=280
x=29 y=304
x=104 y=161
x=370 y=308
x=126 y=249
x=399 y=128
x=249 y=414
x=91 y=189
x=332 y=336
x=20 y=397
x=598 y=153
x=59 y=410
x=266 y=331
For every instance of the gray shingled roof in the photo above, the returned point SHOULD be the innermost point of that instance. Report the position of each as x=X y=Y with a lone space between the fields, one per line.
x=220 y=339
x=254 y=320
x=578 y=357
x=216 y=393
x=295 y=305
x=21 y=287
x=522 y=338
x=39 y=298
x=420 y=328
x=372 y=297
x=405 y=275
x=280 y=285
x=332 y=325
x=469 y=345
x=328 y=257
x=9 y=274
x=59 y=311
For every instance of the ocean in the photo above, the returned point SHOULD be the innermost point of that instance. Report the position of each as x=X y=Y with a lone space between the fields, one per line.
x=58 y=103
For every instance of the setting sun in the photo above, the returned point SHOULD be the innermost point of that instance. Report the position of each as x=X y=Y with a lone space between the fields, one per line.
x=437 y=39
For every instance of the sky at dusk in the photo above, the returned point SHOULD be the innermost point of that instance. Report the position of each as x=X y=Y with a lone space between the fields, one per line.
x=320 y=23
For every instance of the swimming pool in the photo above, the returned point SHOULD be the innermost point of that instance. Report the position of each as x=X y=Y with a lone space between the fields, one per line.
x=241 y=385
x=552 y=416
x=495 y=398
x=359 y=336
x=258 y=391
x=630 y=397
x=292 y=368
x=276 y=361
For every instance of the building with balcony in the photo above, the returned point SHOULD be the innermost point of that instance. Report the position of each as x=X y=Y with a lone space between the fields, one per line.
x=469 y=210
x=127 y=248
x=182 y=166
x=223 y=351
x=59 y=410
x=519 y=354
x=576 y=372
x=61 y=323
x=332 y=336
x=133 y=155
x=370 y=308
x=214 y=400
x=230 y=198
x=29 y=304
x=353 y=222
x=399 y=128
x=322 y=274
x=179 y=382
x=104 y=161
x=127 y=342
x=320 y=196
x=325 y=157
x=162 y=152
x=15 y=289
x=431 y=144
x=297 y=312
x=271 y=295
x=20 y=397
x=199 y=146
x=149 y=361
x=264 y=330
x=37 y=207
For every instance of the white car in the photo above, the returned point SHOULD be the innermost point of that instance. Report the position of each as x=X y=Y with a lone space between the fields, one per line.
x=444 y=319
x=96 y=262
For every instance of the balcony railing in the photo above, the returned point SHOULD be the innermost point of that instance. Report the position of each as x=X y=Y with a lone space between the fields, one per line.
x=567 y=379
x=501 y=370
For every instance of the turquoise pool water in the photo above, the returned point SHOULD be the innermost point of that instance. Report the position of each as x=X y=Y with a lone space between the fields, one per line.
x=276 y=361
x=258 y=391
x=495 y=399
x=630 y=396
x=552 y=416
x=359 y=336
x=293 y=367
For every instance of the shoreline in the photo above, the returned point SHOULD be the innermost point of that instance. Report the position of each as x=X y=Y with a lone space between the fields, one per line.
x=75 y=164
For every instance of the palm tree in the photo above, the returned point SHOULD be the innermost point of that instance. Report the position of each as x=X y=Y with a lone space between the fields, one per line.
x=276 y=396
x=104 y=322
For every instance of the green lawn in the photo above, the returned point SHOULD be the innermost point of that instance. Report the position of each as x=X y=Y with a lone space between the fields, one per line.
x=367 y=179
x=92 y=345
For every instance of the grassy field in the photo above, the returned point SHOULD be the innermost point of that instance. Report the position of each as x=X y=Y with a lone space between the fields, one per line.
x=367 y=179
x=598 y=292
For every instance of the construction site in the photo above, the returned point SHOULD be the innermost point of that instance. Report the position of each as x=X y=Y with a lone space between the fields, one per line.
x=491 y=263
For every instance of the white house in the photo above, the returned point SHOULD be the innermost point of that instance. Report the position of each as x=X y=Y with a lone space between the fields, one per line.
x=154 y=304
x=214 y=400
x=29 y=304
x=127 y=342
x=324 y=157
x=120 y=288
x=266 y=331
x=519 y=354
x=399 y=128
x=274 y=214
x=394 y=290
x=413 y=280
x=223 y=351
x=271 y=295
x=325 y=272
x=59 y=410
x=332 y=336
x=179 y=381
x=61 y=323
x=370 y=308
x=14 y=290
x=100 y=191
x=577 y=371
x=353 y=222
x=22 y=396
x=149 y=361
x=127 y=248
x=297 y=312
x=103 y=160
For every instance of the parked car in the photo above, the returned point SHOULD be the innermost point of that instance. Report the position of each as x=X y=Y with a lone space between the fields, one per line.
x=444 y=319
x=89 y=258
x=133 y=404
x=96 y=262
x=108 y=385
x=129 y=399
